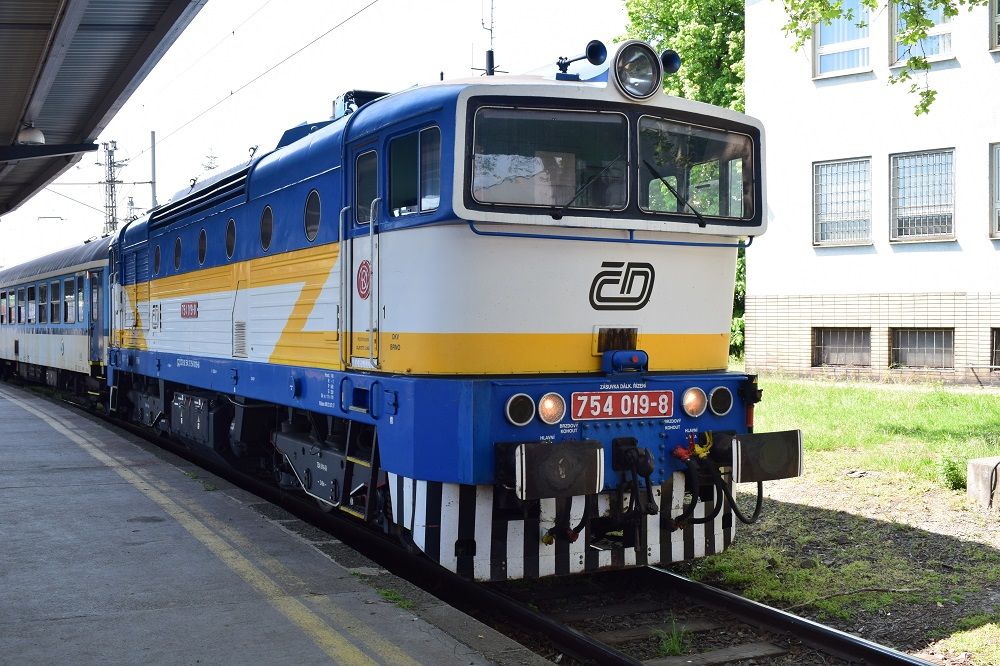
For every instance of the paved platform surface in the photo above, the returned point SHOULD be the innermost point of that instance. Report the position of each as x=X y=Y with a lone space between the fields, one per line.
x=115 y=552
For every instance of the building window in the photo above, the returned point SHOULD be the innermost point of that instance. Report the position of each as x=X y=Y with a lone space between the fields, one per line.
x=995 y=24
x=995 y=350
x=842 y=347
x=936 y=43
x=995 y=189
x=923 y=195
x=842 y=44
x=842 y=202
x=922 y=348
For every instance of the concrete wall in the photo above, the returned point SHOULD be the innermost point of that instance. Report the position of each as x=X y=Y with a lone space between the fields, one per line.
x=793 y=285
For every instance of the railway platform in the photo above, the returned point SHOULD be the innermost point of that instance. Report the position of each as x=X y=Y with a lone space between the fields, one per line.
x=114 y=551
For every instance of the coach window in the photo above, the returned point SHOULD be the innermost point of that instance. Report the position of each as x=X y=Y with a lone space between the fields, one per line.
x=156 y=260
x=365 y=185
x=20 y=306
x=177 y=253
x=266 y=228
x=80 y=316
x=55 y=303
x=312 y=216
x=42 y=309
x=95 y=297
x=202 y=246
x=69 y=302
x=230 y=238
x=3 y=307
x=415 y=172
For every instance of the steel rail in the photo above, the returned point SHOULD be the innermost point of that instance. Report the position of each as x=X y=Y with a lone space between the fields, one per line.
x=829 y=640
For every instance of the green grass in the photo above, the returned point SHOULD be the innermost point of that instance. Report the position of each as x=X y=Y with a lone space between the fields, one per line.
x=978 y=635
x=396 y=598
x=672 y=643
x=926 y=433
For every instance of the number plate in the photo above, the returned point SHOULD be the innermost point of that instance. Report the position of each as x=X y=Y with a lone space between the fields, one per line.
x=622 y=405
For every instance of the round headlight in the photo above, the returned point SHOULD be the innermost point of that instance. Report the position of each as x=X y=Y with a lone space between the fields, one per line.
x=637 y=70
x=551 y=408
x=520 y=409
x=695 y=401
x=720 y=400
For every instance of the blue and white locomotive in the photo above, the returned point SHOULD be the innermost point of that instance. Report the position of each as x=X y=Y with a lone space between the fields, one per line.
x=490 y=317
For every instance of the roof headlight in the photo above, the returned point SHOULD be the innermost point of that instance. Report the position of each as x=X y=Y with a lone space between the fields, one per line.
x=551 y=408
x=637 y=70
x=695 y=401
x=520 y=409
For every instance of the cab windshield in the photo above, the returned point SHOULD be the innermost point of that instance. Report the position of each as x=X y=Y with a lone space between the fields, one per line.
x=691 y=170
x=550 y=158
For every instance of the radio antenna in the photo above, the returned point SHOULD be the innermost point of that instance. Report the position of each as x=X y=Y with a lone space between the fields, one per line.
x=490 y=66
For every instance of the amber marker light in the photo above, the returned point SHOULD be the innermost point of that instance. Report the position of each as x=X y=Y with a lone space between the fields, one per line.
x=551 y=408
x=695 y=401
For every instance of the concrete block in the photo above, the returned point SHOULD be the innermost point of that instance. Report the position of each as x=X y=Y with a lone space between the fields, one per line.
x=978 y=487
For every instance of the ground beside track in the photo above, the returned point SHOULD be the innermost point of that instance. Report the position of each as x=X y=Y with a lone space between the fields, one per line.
x=871 y=539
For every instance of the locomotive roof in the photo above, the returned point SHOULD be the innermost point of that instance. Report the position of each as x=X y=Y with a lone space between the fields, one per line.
x=63 y=261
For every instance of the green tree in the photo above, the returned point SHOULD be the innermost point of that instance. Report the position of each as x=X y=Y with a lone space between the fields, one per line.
x=708 y=35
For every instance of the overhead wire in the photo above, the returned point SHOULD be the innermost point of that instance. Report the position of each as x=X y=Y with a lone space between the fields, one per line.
x=260 y=76
x=66 y=196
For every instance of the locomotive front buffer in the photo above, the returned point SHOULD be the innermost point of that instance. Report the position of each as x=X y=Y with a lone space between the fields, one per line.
x=628 y=468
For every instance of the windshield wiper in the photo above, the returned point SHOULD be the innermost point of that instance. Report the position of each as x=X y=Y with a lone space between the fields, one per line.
x=684 y=202
x=557 y=212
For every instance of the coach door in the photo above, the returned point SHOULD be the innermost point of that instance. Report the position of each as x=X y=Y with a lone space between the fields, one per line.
x=362 y=284
x=95 y=325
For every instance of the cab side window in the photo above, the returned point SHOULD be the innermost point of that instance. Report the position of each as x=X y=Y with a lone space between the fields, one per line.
x=365 y=186
x=415 y=172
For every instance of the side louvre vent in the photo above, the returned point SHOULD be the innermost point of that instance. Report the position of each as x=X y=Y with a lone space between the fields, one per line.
x=204 y=196
x=239 y=339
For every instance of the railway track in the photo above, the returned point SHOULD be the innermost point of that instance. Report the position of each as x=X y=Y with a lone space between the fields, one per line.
x=630 y=617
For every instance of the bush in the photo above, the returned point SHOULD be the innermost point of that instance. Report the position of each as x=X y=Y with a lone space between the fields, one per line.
x=953 y=473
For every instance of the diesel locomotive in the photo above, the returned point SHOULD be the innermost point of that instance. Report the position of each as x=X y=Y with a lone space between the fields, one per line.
x=490 y=317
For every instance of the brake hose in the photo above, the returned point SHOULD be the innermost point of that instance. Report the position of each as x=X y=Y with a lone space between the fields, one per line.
x=724 y=487
x=692 y=481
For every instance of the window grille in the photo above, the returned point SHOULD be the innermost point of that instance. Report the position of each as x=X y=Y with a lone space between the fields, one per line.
x=842 y=202
x=922 y=348
x=995 y=24
x=848 y=347
x=923 y=195
x=841 y=46
x=995 y=189
x=936 y=43
x=995 y=350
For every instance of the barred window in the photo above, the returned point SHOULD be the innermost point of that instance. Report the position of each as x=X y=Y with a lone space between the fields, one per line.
x=995 y=24
x=850 y=347
x=995 y=349
x=842 y=44
x=936 y=43
x=922 y=348
x=995 y=189
x=923 y=195
x=842 y=202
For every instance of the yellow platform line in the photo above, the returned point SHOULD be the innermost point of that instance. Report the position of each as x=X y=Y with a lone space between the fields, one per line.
x=331 y=642
x=344 y=619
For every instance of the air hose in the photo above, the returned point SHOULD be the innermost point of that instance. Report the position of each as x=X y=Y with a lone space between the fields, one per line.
x=692 y=481
x=721 y=484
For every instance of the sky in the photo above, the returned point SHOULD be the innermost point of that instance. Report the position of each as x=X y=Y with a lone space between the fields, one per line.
x=244 y=71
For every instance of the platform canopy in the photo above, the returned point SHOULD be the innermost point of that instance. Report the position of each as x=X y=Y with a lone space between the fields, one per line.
x=66 y=68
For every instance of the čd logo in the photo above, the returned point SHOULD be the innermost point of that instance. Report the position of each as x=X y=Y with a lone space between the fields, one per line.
x=623 y=286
